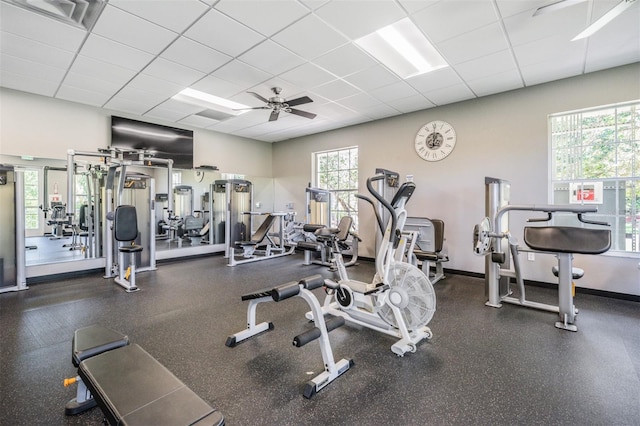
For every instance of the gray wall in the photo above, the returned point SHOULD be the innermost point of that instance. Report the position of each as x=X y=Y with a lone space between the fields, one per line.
x=503 y=136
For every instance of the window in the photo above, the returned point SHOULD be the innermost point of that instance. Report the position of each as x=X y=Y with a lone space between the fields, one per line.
x=31 y=200
x=337 y=171
x=595 y=159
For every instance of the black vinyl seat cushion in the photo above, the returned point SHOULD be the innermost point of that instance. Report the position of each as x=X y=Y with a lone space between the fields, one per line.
x=130 y=249
x=567 y=239
x=133 y=388
x=95 y=339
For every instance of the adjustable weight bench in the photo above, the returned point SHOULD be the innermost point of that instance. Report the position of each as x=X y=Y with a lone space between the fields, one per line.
x=133 y=388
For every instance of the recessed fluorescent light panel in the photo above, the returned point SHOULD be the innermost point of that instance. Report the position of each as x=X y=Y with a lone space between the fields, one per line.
x=403 y=48
x=205 y=100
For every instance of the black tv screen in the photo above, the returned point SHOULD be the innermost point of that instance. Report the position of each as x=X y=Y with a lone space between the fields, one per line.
x=160 y=141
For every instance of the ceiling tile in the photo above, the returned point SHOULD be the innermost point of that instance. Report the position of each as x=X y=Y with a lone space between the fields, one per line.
x=372 y=78
x=28 y=84
x=90 y=83
x=37 y=27
x=448 y=19
x=336 y=89
x=345 y=60
x=508 y=8
x=34 y=51
x=410 y=104
x=101 y=70
x=449 y=95
x=82 y=96
x=483 y=41
x=271 y=57
x=496 y=83
x=173 y=72
x=412 y=6
x=195 y=55
x=181 y=107
x=125 y=28
x=380 y=111
x=129 y=105
x=567 y=22
x=486 y=65
x=218 y=87
x=198 y=121
x=309 y=37
x=550 y=48
x=264 y=16
x=543 y=72
x=393 y=91
x=241 y=74
x=359 y=101
x=357 y=18
x=171 y=14
x=444 y=77
x=223 y=34
x=313 y=4
x=154 y=85
x=106 y=50
x=307 y=75
x=19 y=66
x=165 y=114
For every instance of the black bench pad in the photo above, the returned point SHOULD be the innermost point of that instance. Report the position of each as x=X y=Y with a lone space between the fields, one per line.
x=93 y=340
x=133 y=388
x=566 y=239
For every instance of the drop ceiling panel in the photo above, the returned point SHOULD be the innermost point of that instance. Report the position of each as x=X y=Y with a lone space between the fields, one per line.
x=543 y=72
x=195 y=55
x=443 y=77
x=307 y=75
x=264 y=16
x=486 y=65
x=84 y=65
x=165 y=114
x=345 y=60
x=449 y=95
x=372 y=78
x=198 y=121
x=567 y=22
x=241 y=74
x=393 y=92
x=412 y=103
x=223 y=34
x=359 y=101
x=496 y=83
x=359 y=18
x=34 y=51
x=113 y=52
x=82 y=96
x=216 y=86
x=445 y=20
x=548 y=49
x=309 y=37
x=413 y=6
x=28 y=84
x=272 y=58
x=27 y=24
x=380 y=111
x=90 y=83
x=173 y=72
x=474 y=44
x=128 y=29
x=336 y=89
x=142 y=96
x=509 y=8
x=155 y=85
x=19 y=66
x=171 y=14
x=128 y=105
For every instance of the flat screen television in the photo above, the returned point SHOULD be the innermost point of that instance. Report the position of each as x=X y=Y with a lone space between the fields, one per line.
x=160 y=141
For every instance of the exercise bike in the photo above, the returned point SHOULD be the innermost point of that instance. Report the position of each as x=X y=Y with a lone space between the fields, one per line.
x=400 y=301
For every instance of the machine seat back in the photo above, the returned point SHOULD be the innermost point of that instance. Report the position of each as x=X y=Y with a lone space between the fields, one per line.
x=125 y=223
x=567 y=239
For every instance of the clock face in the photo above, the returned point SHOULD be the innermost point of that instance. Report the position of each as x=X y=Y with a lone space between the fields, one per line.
x=435 y=140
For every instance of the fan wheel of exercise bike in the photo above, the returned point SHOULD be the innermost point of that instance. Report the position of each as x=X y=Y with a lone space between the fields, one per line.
x=419 y=298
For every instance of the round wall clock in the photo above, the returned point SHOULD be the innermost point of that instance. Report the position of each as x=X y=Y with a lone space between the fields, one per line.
x=435 y=140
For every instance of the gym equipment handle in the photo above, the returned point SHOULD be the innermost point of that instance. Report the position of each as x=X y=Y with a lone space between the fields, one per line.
x=310 y=335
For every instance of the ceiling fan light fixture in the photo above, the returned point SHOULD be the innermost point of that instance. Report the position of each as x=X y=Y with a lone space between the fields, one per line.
x=604 y=19
x=206 y=100
x=403 y=48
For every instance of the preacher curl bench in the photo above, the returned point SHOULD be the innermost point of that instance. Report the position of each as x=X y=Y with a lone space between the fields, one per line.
x=129 y=385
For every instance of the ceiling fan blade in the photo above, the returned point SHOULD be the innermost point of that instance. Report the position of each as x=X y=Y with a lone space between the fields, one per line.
x=245 y=109
x=274 y=115
x=561 y=4
x=259 y=97
x=605 y=19
x=304 y=114
x=299 y=101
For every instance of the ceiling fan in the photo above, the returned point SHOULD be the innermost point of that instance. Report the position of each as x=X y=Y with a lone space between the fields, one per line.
x=277 y=104
x=595 y=26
